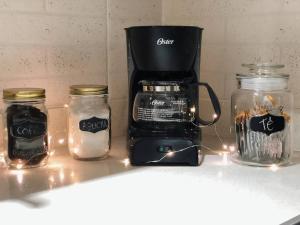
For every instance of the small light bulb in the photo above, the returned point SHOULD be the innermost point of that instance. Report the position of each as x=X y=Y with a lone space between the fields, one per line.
x=214 y=116
x=193 y=109
x=61 y=141
x=170 y=154
x=61 y=175
x=274 y=167
x=231 y=148
x=76 y=150
x=19 y=166
x=225 y=147
x=52 y=152
x=66 y=105
x=126 y=162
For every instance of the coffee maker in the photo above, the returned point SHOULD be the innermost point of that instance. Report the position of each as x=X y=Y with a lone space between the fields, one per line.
x=163 y=76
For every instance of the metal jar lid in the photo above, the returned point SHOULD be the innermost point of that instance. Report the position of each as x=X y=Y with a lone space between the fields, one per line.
x=88 y=89
x=160 y=86
x=24 y=93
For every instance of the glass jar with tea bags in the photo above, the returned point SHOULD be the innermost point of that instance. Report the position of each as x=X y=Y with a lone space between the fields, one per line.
x=89 y=122
x=262 y=116
x=25 y=127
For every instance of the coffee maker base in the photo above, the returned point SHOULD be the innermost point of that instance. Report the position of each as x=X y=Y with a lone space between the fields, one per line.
x=163 y=152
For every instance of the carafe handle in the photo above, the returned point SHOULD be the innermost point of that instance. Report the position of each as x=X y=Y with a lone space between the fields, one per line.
x=215 y=103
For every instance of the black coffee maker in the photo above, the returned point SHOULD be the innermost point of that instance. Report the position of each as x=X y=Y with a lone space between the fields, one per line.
x=163 y=75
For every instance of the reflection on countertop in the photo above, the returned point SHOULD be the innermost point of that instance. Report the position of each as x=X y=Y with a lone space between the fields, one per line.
x=262 y=195
x=62 y=170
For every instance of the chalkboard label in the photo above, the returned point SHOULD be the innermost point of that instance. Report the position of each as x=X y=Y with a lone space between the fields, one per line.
x=93 y=125
x=267 y=124
x=28 y=129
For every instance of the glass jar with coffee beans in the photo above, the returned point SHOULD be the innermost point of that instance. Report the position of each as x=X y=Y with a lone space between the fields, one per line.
x=25 y=127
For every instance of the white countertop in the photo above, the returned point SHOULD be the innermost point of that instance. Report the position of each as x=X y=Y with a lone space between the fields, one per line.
x=112 y=192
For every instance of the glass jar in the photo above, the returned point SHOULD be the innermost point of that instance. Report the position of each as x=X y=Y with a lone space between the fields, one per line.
x=25 y=127
x=89 y=122
x=262 y=116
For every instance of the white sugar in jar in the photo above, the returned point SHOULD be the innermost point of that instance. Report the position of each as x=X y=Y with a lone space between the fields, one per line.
x=89 y=122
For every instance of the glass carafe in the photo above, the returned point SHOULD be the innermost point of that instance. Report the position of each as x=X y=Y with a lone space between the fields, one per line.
x=162 y=102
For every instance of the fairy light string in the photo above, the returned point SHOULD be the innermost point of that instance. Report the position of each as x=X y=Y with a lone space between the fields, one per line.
x=225 y=147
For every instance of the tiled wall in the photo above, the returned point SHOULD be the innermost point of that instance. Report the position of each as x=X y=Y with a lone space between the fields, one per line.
x=57 y=43
x=241 y=31
x=121 y=14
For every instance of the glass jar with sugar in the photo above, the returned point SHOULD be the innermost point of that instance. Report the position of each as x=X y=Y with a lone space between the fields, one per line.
x=89 y=122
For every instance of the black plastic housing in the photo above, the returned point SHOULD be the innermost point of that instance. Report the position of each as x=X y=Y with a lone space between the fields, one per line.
x=163 y=53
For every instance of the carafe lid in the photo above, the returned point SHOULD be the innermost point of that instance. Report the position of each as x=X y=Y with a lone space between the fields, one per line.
x=160 y=86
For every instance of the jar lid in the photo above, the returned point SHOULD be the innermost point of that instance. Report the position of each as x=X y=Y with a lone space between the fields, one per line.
x=263 y=70
x=23 y=93
x=88 y=89
x=160 y=86
x=263 y=76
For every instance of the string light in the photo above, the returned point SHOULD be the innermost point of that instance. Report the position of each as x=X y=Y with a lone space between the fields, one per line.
x=193 y=109
x=231 y=148
x=224 y=146
x=76 y=150
x=170 y=154
x=66 y=105
x=173 y=152
x=61 y=175
x=274 y=167
x=19 y=166
x=61 y=141
x=126 y=162
x=52 y=152
x=215 y=116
